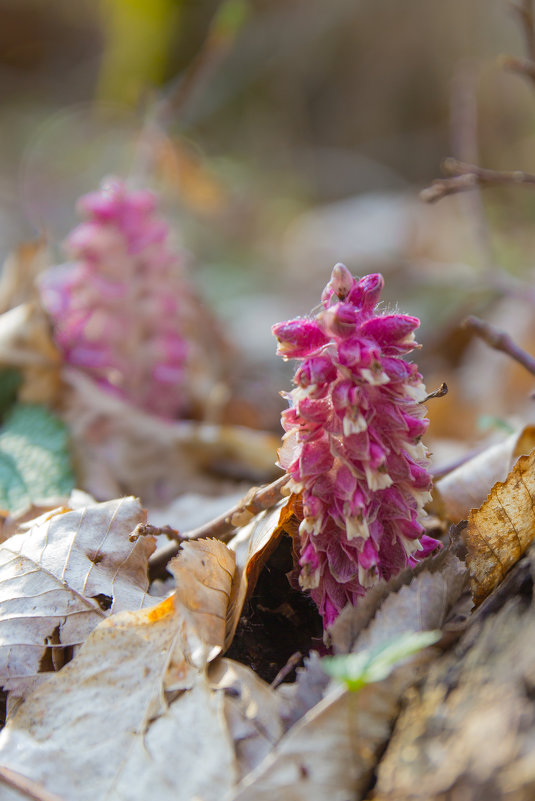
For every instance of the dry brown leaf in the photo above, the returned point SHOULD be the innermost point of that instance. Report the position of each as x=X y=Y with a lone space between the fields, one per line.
x=121 y=449
x=110 y=724
x=329 y=753
x=501 y=530
x=25 y=343
x=19 y=273
x=60 y=577
x=467 y=486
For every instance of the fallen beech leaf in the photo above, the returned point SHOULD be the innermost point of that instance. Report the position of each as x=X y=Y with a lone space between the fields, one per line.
x=467 y=486
x=501 y=530
x=119 y=448
x=421 y=607
x=59 y=578
x=204 y=574
x=103 y=727
x=330 y=752
x=252 y=711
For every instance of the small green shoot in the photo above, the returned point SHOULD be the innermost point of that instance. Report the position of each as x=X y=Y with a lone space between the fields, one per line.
x=375 y=664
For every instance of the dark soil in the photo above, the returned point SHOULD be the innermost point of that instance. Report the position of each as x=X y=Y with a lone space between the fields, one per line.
x=277 y=622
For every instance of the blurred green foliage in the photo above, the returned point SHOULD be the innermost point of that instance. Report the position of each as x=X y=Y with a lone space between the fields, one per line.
x=34 y=457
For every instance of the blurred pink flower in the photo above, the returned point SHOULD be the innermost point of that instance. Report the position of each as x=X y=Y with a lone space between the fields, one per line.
x=120 y=310
x=352 y=444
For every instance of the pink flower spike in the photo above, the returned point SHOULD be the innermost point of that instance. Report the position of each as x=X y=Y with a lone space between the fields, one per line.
x=352 y=443
x=123 y=310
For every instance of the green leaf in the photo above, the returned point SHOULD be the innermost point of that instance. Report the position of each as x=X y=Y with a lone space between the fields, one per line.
x=10 y=381
x=34 y=457
x=375 y=664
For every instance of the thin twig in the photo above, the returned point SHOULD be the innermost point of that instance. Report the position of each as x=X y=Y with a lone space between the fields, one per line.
x=286 y=669
x=222 y=528
x=525 y=14
x=26 y=786
x=470 y=176
x=522 y=66
x=148 y=530
x=499 y=340
x=438 y=393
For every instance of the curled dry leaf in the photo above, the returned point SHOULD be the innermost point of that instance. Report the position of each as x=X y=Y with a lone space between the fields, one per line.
x=467 y=486
x=501 y=530
x=110 y=725
x=119 y=448
x=60 y=576
x=253 y=545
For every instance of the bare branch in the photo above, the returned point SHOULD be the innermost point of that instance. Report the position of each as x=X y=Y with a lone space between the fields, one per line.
x=499 y=340
x=469 y=176
x=524 y=11
x=222 y=528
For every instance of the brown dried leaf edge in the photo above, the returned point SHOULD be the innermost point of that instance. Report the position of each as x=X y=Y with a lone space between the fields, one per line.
x=502 y=529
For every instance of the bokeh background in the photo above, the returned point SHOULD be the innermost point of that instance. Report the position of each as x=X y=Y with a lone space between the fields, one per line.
x=283 y=136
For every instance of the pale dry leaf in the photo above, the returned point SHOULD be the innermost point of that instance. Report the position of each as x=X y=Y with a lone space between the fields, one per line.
x=467 y=486
x=501 y=530
x=305 y=692
x=132 y=716
x=329 y=753
x=119 y=448
x=252 y=710
x=61 y=576
x=204 y=574
x=353 y=620
x=23 y=520
x=422 y=605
